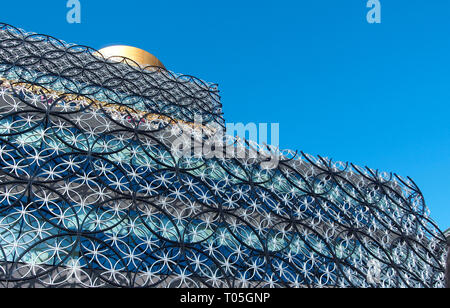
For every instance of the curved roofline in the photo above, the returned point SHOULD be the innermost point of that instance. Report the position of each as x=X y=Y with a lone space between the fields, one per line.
x=138 y=55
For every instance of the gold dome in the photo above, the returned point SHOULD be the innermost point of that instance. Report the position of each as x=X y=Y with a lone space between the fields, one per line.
x=140 y=56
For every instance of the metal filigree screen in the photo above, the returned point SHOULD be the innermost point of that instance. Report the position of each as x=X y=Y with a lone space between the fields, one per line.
x=93 y=195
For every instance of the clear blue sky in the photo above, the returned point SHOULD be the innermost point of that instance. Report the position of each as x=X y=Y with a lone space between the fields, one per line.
x=377 y=95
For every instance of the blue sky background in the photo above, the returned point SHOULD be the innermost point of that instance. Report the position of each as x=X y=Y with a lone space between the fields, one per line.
x=377 y=95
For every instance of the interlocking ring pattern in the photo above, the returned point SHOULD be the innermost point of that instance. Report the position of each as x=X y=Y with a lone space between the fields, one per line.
x=80 y=70
x=92 y=196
